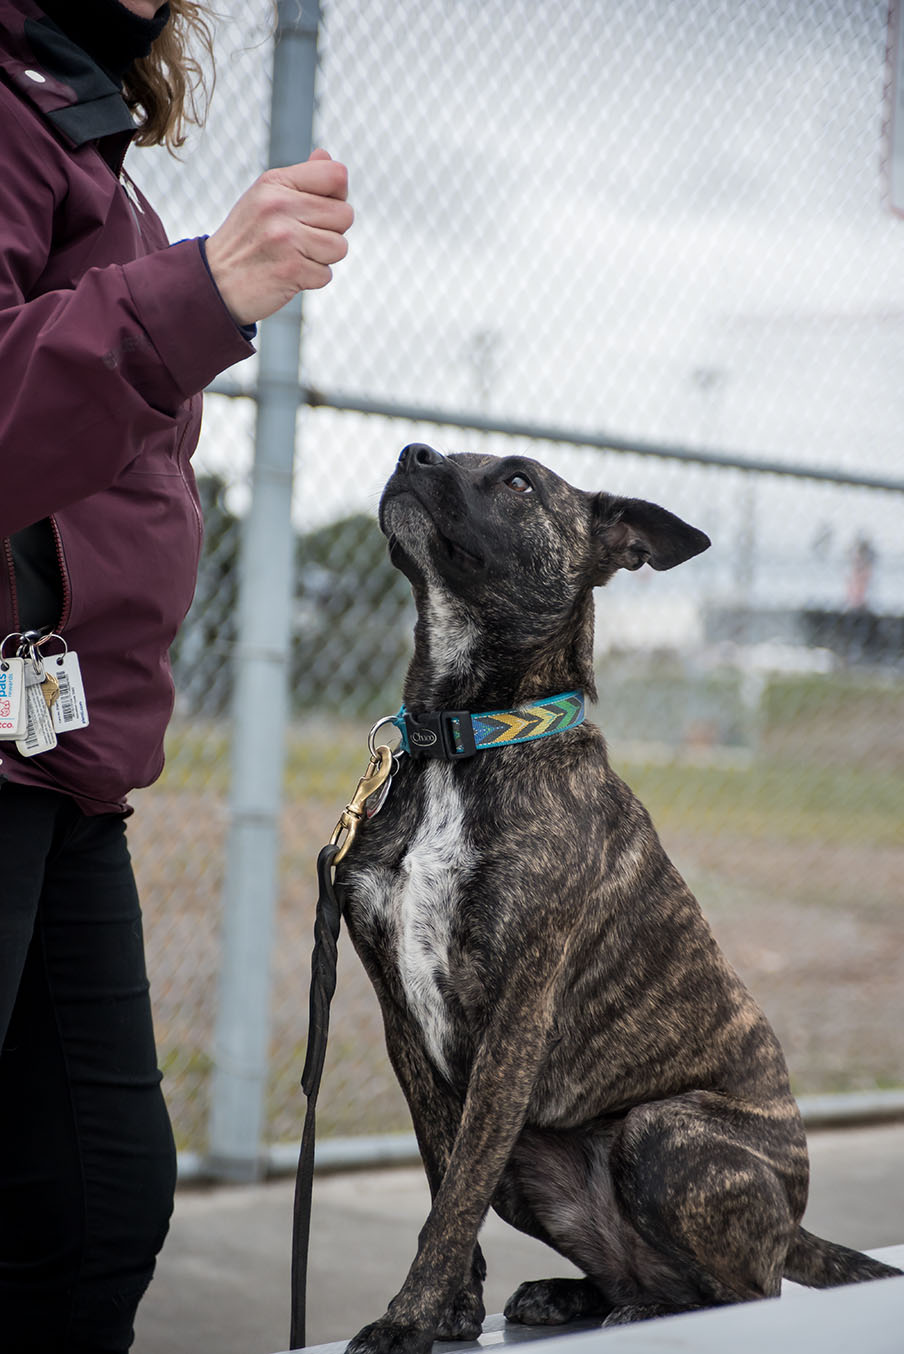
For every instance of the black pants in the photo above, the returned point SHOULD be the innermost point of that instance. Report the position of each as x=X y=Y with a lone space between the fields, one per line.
x=87 y=1162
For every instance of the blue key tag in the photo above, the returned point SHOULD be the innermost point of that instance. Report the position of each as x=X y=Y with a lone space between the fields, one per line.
x=13 y=711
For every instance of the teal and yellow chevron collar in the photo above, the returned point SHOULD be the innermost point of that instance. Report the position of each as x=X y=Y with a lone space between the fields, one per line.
x=454 y=734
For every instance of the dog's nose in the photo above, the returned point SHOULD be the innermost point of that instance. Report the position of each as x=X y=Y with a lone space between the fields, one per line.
x=418 y=453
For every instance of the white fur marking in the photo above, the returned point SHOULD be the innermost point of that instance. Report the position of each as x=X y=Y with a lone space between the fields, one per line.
x=431 y=874
x=452 y=635
x=419 y=901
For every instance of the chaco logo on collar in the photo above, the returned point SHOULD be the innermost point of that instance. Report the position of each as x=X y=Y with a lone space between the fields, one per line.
x=422 y=738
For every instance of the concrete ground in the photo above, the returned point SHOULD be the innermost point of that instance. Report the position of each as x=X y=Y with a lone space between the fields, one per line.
x=223 y=1279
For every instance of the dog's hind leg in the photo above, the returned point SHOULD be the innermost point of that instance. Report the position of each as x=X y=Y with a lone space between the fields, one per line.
x=715 y=1190
x=664 y=1211
x=542 y=1302
x=558 y=1188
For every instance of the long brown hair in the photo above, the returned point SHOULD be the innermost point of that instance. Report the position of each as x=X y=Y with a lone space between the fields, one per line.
x=171 y=87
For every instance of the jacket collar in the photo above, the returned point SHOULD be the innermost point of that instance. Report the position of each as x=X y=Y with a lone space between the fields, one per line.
x=57 y=78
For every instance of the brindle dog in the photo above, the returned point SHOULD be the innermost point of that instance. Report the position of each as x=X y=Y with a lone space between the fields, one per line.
x=575 y=1050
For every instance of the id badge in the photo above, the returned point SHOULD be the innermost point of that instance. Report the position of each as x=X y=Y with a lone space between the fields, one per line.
x=13 y=711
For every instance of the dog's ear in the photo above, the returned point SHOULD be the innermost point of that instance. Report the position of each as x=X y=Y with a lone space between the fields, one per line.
x=629 y=532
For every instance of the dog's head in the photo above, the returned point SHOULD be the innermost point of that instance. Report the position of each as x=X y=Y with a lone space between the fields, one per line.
x=503 y=556
x=477 y=526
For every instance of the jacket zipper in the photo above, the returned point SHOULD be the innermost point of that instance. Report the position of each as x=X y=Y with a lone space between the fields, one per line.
x=64 y=573
x=64 y=577
x=11 y=579
x=199 y=520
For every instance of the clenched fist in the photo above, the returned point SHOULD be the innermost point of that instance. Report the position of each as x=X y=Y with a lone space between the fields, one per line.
x=281 y=237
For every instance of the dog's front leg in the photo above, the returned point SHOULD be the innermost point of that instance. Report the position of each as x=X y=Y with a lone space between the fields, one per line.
x=435 y=1113
x=502 y=1078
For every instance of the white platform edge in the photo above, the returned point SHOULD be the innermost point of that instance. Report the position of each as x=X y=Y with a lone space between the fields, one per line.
x=863 y=1318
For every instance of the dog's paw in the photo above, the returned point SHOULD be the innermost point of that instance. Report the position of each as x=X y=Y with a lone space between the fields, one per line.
x=463 y=1318
x=552 y=1302
x=625 y=1316
x=386 y=1337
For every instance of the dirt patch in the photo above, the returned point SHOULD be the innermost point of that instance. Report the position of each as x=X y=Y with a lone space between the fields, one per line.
x=816 y=930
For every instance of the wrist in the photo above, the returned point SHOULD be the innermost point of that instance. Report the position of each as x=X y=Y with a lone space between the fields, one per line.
x=248 y=330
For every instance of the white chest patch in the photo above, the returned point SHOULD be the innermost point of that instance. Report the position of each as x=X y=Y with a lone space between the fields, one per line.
x=419 y=901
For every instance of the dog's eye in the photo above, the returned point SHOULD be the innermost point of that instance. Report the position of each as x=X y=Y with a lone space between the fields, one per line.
x=520 y=483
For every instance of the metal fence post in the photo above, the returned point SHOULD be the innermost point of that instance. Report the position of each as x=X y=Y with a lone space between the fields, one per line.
x=237 y=1115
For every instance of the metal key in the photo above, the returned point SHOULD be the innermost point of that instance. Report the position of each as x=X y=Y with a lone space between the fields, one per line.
x=50 y=689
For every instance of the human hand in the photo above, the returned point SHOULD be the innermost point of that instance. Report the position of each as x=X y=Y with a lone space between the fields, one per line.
x=281 y=237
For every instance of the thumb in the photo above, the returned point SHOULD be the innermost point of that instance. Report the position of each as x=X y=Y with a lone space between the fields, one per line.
x=320 y=154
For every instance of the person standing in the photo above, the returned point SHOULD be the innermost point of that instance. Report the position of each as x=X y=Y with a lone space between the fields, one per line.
x=108 y=334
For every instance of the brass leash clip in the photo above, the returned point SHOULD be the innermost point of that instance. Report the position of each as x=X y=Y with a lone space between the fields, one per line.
x=379 y=769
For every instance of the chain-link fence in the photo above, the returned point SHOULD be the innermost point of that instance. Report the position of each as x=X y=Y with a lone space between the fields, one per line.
x=658 y=228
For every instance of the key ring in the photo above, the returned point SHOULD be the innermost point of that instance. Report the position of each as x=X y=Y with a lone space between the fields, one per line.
x=28 y=651
x=13 y=634
x=59 y=658
x=372 y=736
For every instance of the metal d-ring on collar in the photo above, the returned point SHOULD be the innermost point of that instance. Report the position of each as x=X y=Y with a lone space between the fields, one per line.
x=372 y=736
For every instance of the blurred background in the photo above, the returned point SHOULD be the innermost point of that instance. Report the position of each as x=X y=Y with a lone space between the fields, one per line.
x=649 y=245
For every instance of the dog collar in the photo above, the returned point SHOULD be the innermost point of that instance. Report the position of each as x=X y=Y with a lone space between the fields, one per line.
x=453 y=734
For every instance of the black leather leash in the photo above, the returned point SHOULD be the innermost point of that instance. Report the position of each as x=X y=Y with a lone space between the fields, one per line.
x=375 y=782
x=323 y=985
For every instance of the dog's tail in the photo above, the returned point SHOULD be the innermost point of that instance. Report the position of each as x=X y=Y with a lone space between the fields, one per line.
x=825 y=1264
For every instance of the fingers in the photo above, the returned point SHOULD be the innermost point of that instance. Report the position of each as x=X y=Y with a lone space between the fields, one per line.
x=285 y=214
x=321 y=246
x=281 y=205
x=311 y=276
x=325 y=213
x=323 y=176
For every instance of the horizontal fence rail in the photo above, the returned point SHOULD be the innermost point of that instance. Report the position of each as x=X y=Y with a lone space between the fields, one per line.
x=537 y=432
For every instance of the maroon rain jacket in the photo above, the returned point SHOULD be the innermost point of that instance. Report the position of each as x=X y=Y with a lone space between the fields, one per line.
x=107 y=336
